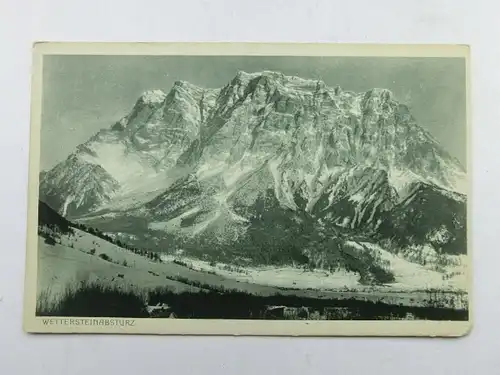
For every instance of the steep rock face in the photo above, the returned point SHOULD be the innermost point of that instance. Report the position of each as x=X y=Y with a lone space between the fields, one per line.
x=306 y=123
x=163 y=128
x=428 y=215
x=130 y=157
x=357 y=198
x=267 y=156
x=336 y=155
x=74 y=186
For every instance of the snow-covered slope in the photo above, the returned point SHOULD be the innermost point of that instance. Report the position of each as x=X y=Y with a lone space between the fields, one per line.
x=76 y=186
x=266 y=156
x=75 y=257
x=132 y=156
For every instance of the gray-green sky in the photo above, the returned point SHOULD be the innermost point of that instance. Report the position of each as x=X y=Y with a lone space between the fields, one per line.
x=83 y=94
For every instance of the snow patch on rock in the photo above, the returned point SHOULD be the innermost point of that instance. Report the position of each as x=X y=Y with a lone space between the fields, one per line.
x=153 y=96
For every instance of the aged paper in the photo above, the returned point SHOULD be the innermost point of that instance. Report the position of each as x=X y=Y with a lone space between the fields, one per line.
x=249 y=189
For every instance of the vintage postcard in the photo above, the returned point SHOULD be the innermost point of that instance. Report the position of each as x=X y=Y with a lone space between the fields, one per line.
x=249 y=189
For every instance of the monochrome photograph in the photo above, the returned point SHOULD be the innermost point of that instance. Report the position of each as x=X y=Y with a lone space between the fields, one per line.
x=267 y=189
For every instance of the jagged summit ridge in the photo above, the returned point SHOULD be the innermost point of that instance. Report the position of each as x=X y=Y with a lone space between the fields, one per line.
x=153 y=97
x=303 y=131
x=371 y=127
x=269 y=169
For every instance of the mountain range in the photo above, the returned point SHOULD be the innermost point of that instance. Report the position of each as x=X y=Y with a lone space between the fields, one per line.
x=268 y=169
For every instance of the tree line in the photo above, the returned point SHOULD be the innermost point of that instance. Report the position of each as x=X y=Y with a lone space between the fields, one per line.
x=154 y=256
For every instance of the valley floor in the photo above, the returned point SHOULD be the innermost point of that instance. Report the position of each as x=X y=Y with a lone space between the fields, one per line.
x=82 y=259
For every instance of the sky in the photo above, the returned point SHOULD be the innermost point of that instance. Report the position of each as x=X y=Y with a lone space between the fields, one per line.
x=83 y=94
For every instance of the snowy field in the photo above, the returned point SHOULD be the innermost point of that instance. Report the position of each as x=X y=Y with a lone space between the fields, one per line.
x=409 y=276
x=79 y=258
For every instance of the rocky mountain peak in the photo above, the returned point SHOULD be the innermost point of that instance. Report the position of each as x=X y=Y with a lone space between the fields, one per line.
x=153 y=97
x=266 y=166
x=301 y=130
